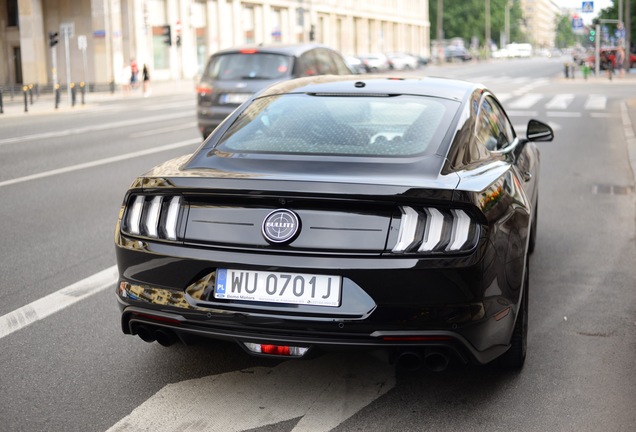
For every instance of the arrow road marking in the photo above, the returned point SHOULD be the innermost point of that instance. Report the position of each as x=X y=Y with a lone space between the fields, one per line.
x=321 y=393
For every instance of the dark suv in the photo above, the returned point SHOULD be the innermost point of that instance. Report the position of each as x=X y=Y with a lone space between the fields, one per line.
x=232 y=76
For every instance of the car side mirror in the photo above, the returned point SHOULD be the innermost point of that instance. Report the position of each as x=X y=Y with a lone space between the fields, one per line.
x=539 y=131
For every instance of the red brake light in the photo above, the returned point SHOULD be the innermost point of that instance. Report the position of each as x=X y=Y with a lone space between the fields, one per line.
x=248 y=51
x=275 y=350
x=204 y=89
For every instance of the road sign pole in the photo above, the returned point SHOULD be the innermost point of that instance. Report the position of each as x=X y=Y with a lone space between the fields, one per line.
x=68 y=65
x=597 y=51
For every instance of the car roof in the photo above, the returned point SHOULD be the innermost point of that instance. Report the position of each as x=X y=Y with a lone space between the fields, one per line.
x=286 y=49
x=378 y=84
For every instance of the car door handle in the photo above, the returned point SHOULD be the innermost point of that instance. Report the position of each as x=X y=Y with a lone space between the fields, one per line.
x=527 y=176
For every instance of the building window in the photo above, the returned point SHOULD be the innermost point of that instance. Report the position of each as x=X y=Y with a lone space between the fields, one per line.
x=277 y=20
x=248 y=24
x=160 y=50
x=12 y=13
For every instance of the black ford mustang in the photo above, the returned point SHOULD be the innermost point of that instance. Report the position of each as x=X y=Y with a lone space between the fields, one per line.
x=340 y=212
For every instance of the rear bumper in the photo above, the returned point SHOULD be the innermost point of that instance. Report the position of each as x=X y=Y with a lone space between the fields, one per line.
x=318 y=335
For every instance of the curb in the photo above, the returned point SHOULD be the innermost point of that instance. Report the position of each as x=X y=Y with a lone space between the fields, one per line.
x=630 y=135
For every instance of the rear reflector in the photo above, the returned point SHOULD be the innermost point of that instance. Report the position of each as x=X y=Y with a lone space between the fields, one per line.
x=278 y=350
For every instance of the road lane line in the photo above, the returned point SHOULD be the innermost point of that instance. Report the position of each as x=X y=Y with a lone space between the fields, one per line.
x=100 y=127
x=55 y=302
x=99 y=162
x=190 y=125
x=321 y=393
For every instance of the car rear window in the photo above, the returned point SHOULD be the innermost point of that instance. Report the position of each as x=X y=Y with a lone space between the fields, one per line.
x=243 y=66
x=340 y=125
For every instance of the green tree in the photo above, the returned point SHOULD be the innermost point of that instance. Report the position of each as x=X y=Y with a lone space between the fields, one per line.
x=565 y=36
x=611 y=12
x=467 y=19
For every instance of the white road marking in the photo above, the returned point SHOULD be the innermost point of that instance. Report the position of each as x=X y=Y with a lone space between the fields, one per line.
x=601 y=115
x=185 y=104
x=560 y=101
x=502 y=97
x=190 y=125
x=99 y=162
x=525 y=101
x=512 y=113
x=323 y=392
x=569 y=114
x=93 y=128
x=39 y=309
x=596 y=102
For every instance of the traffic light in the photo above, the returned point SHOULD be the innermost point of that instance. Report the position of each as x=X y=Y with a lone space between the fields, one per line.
x=167 y=35
x=53 y=39
x=592 y=35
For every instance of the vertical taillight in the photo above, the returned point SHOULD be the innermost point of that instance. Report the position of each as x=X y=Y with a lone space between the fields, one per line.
x=152 y=216
x=432 y=230
x=171 y=218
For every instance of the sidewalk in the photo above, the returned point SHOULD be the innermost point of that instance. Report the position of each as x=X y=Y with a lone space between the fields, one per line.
x=45 y=103
x=602 y=78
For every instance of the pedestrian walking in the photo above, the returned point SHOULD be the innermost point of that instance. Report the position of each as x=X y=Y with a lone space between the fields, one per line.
x=134 y=71
x=607 y=64
x=620 y=61
x=145 y=74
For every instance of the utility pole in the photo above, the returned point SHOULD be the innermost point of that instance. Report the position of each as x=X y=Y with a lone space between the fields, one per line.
x=488 y=28
x=440 y=30
x=507 y=21
x=628 y=32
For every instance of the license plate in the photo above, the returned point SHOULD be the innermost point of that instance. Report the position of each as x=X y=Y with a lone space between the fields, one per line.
x=273 y=287
x=235 y=98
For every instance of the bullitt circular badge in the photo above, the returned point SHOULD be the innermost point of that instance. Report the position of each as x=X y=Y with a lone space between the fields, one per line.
x=280 y=226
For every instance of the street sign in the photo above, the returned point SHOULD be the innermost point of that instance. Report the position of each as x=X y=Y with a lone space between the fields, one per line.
x=68 y=29
x=577 y=23
x=81 y=42
x=587 y=7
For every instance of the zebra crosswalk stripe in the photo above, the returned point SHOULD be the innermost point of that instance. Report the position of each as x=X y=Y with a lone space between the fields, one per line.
x=560 y=101
x=596 y=102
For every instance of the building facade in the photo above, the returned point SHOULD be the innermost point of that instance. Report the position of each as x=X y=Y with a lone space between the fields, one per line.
x=540 y=22
x=96 y=39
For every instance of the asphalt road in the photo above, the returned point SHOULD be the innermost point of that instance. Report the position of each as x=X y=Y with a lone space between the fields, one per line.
x=68 y=367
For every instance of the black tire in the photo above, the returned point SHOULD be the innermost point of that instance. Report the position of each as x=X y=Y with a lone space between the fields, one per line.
x=533 y=229
x=515 y=357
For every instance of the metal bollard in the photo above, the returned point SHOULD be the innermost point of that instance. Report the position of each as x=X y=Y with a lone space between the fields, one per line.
x=30 y=94
x=566 y=70
x=112 y=87
x=25 y=90
x=73 y=92
x=37 y=91
x=1 y=107
x=57 y=95
x=83 y=90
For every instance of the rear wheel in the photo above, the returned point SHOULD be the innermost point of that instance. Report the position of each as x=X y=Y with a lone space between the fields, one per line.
x=515 y=357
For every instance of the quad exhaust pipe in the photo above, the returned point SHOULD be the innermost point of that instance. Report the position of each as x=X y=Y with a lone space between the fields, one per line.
x=164 y=337
x=433 y=359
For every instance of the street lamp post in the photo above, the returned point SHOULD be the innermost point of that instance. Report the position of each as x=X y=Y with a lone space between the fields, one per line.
x=487 y=27
x=507 y=21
